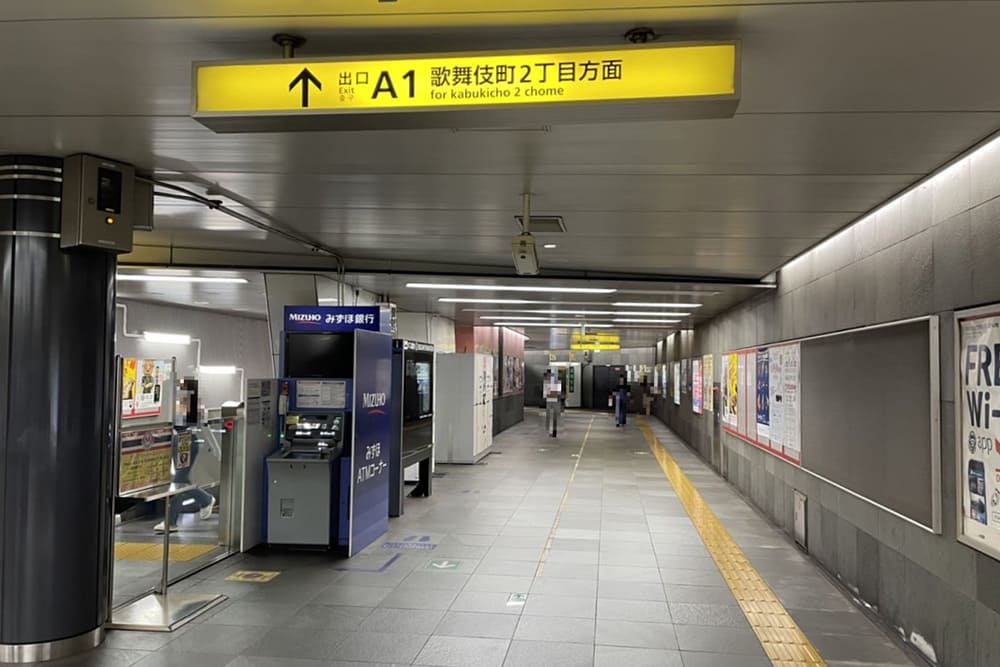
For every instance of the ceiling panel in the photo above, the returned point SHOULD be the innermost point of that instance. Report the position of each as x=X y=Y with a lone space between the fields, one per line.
x=843 y=105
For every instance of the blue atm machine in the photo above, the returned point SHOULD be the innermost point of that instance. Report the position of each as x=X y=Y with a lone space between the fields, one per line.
x=328 y=479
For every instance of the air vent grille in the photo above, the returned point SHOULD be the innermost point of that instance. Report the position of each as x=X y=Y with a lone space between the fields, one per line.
x=543 y=224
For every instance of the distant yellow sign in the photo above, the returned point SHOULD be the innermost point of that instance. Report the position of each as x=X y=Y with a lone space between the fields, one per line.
x=596 y=338
x=595 y=346
x=467 y=81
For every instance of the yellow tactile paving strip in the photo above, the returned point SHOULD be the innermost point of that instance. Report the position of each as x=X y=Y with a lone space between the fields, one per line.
x=154 y=551
x=783 y=641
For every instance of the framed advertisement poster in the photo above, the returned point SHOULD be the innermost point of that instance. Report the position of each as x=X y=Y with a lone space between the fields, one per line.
x=977 y=340
x=697 y=386
x=143 y=386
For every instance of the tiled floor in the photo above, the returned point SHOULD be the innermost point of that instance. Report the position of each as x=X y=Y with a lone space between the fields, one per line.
x=547 y=554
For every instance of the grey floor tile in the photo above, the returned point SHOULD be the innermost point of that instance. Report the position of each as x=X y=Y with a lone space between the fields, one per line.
x=178 y=659
x=514 y=568
x=723 y=660
x=495 y=603
x=617 y=656
x=685 y=613
x=141 y=641
x=434 y=581
x=265 y=614
x=265 y=661
x=555 y=629
x=498 y=583
x=472 y=624
x=699 y=594
x=633 y=610
x=692 y=577
x=638 y=635
x=328 y=617
x=408 y=621
x=834 y=622
x=102 y=657
x=299 y=643
x=626 y=573
x=389 y=647
x=622 y=590
x=463 y=652
x=629 y=558
x=564 y=587
x=226 y=639
x=578 y=557
x=569 y=571
x=559 y=605
x=717 y=639
x=549 y=654
x=412 y=598
x=352 y=596
x=869 y=648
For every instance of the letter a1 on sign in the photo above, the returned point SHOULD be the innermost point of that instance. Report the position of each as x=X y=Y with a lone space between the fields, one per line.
x=448 y=90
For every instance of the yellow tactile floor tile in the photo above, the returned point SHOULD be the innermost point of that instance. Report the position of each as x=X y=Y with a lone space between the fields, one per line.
x=784 y=642
x=154 y=551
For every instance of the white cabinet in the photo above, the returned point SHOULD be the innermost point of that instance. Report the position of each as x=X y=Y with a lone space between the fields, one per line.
x=463 y=417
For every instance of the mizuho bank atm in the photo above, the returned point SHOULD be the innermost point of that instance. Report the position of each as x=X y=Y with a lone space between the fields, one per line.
x=328 y=479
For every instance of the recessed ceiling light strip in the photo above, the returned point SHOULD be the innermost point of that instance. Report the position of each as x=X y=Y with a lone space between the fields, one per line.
x=513 y=288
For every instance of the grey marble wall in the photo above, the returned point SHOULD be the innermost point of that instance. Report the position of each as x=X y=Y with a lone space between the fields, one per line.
x=933 y=250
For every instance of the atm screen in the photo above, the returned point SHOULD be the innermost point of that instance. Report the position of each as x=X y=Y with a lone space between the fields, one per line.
x=319 y=355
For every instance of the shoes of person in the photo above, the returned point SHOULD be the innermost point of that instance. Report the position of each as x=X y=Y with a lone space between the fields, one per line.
x=206 y=511
x=159 y=528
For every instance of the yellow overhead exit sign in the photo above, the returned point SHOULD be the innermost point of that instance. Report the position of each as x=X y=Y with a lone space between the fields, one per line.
x=484 y=89
x=596 y=338
x=595 y=346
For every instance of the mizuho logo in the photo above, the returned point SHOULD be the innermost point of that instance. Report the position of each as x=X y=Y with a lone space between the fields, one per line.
x=376 y=400
x=305 y=317
x=972 y=443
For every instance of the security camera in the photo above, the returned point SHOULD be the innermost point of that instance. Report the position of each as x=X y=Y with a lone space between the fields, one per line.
x=525 y=255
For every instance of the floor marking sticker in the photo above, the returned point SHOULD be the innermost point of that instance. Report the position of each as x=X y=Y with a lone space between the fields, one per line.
x=445 y=564
x=252 y=576
x=377 y=570
x=783 y=641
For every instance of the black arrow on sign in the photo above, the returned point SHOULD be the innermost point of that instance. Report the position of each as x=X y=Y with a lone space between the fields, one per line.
x=305 y=77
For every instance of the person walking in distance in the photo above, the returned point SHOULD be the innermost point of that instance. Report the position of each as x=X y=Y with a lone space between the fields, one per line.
x=552 y=390
x=621 y=401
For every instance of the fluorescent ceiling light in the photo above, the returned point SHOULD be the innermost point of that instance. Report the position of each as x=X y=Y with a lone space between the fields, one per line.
x=507 y=317
x=550 y=246
x=513 y=288
x=327 y=300
x=157 y=337
x=449 y=299
x=615 y=313
x=629 y=304
x=217 y=370
x=555 y=325
x=135 y=278
x=636 y=321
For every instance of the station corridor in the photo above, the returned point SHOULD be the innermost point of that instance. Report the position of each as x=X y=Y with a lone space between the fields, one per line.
x=569 y=552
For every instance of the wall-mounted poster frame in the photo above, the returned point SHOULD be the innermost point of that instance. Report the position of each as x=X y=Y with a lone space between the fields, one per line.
x=977 y=428
x=808 y=452
x=697 y=386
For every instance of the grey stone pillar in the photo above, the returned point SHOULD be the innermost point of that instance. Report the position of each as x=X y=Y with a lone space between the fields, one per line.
x=56 y=379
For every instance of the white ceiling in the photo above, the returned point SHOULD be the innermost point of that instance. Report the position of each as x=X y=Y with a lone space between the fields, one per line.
x=844 y=104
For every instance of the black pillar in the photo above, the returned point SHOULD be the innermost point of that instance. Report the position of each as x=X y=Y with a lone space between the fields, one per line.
x=56 y=359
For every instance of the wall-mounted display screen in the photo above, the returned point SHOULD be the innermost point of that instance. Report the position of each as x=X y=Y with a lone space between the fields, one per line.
x=319 y=355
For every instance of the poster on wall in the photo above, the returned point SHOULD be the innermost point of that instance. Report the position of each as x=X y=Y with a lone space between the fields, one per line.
x=730 y=389
x=696 y=386
x=763 y=395
x=791 y=399
x=142 y=387
x=708 y=373
x=775 y=396
x=677 y=382
x=979 y=471
x=665 y=370
x=145 y=459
